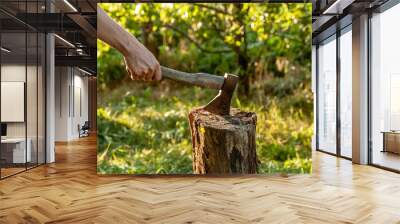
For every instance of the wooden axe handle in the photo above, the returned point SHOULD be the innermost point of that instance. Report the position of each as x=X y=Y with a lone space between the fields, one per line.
x=198 y=79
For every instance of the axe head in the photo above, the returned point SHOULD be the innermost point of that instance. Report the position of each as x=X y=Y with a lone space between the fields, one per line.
x=221 y=104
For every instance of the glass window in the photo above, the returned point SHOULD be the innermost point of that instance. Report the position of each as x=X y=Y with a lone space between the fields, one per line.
x=346 y=92
x=22 y=91
x=14 y=151
x=327 y=96
x=385 y=89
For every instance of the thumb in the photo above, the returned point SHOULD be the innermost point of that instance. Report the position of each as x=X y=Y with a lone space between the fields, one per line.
x=158 y=75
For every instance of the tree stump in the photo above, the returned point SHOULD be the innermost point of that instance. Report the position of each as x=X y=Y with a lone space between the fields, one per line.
x=223 y=144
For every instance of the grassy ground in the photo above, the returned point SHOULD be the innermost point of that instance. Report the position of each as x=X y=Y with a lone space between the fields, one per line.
x=144 y=129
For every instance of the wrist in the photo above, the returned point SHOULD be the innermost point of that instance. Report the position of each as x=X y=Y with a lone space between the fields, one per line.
x=128 y=44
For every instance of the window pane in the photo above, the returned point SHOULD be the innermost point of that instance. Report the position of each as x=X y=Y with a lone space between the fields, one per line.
x=31 y=97
x=15 y=151
x=346 y=94
x=385 y=89
x=327 y=96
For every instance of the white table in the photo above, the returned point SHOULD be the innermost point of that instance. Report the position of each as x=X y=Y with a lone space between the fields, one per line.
x=19 y=155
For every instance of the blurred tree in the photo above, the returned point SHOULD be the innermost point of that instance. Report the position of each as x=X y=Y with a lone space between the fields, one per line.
x=245 y=39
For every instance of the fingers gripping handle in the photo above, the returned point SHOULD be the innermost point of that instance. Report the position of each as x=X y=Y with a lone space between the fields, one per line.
x=198 y=79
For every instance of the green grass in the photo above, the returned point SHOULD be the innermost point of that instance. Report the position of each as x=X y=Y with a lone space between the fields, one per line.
x=144 y=129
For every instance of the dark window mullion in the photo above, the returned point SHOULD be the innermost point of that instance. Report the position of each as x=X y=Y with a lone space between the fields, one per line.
x=26 y=86
x=317 y=97
x=369 y=90
x=37 y=90
x=45 y=88
x=0 y=93
x=338 y=74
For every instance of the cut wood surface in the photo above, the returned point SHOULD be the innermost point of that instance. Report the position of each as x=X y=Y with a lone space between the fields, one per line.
x=223 y=144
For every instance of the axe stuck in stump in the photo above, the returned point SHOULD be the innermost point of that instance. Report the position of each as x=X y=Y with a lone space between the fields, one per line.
x=223 y=139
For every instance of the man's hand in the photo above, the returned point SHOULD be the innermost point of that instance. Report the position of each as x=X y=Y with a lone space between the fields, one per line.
x=141 y=63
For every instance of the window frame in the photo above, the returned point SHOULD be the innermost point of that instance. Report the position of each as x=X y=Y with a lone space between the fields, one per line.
x=338 y=34
x=381 y=9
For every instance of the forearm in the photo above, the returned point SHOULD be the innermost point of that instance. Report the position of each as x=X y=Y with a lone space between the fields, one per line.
x=140 y=62
x=113 y=34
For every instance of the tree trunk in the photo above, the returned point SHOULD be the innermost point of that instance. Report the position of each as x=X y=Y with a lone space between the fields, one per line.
x=223 y=144
x=244 y=83
x=244 y=80
x=150 y=40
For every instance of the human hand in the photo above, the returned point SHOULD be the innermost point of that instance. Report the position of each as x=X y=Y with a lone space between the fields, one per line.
x=141 y=63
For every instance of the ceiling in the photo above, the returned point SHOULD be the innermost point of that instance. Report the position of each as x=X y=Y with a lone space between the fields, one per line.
x=74 y=22
x=330 y=15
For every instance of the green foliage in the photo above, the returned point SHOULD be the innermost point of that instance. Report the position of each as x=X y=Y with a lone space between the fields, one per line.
x=109 y=62
x=246 y=39
x=144 y=129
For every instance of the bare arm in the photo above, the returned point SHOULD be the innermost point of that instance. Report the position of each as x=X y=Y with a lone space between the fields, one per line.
x=140 y=62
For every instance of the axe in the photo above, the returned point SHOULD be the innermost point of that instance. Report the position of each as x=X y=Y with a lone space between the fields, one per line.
x=226 y=84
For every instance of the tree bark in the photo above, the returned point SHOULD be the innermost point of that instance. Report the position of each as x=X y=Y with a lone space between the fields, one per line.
x=223 y=144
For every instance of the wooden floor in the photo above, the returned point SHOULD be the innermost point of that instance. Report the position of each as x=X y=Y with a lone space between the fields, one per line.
x=69 y=191
x=10 y=171
x=5 y=172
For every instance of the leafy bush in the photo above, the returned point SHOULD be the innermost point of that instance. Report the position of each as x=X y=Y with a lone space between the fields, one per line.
x=145 y=130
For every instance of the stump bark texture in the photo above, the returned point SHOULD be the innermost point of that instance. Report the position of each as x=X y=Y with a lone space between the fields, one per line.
x=223 y=144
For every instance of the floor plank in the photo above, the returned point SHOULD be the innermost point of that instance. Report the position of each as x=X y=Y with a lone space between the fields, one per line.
x=70 y=191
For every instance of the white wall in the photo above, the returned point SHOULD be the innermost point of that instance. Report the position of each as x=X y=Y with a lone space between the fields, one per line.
x=71 y=87
x=80 y=94
x=61 y=103
x=12 y=73
x=13 y=101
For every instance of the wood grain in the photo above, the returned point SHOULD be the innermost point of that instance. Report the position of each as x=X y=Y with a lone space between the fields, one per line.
x=70 y=191
x=198 y=79
x=223 y=144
